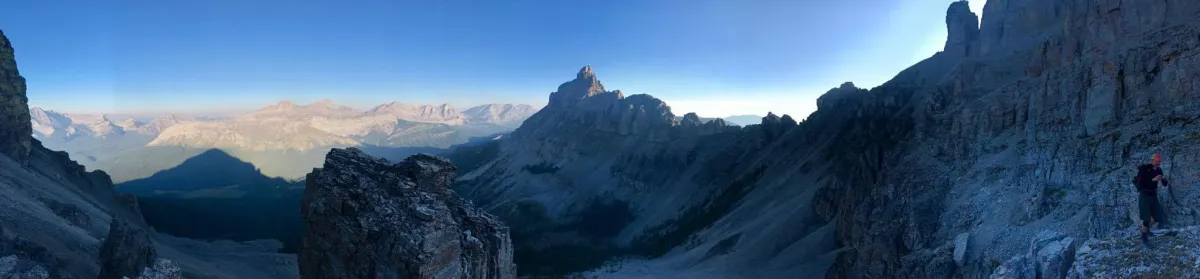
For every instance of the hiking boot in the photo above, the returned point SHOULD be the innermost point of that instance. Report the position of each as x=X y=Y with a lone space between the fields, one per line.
x=1146 y=241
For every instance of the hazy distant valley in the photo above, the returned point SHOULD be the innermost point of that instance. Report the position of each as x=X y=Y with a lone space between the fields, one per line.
x=283 y=140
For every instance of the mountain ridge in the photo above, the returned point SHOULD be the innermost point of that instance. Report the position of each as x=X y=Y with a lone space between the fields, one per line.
x=1020 y=125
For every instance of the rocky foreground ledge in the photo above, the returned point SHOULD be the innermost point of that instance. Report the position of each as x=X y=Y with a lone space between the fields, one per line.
x=1175 y=254
x=368 y=218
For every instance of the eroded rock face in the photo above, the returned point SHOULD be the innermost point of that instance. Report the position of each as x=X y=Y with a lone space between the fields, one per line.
x=15 y=127
x=963 y=30
x=1042 y=124
x=368 y=218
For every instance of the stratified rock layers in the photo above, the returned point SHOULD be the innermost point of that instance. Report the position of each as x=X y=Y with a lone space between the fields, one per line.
x=368 y=218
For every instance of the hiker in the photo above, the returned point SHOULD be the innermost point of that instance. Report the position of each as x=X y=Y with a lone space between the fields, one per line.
x=1147 y=180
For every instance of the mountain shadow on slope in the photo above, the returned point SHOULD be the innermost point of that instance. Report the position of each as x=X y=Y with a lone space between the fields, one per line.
x=216 y=196
x=211 y=169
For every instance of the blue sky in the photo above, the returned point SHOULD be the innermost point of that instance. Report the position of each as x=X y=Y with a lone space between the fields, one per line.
x=715 y=57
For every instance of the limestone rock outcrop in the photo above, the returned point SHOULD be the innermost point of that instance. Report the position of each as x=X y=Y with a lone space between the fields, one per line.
x=369 y=218
x=15 y=126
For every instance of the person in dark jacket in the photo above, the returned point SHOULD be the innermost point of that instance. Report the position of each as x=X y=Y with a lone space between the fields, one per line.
x=1147 y=180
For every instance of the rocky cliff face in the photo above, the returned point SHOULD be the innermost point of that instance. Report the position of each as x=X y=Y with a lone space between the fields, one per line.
x=1040 y=130
x=1032 y=122
x=14 y=108
x=368 y=218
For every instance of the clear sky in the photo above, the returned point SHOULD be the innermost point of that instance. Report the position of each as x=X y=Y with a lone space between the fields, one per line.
x=714 y=57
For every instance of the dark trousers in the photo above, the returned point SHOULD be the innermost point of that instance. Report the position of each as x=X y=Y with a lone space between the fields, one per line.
x=1148 y=206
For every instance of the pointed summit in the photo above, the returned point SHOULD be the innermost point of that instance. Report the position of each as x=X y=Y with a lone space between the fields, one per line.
x=584 y=86
x=585 y=73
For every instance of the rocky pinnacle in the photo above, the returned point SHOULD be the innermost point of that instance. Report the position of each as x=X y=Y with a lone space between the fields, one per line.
x=962 y=28
x=368 y=218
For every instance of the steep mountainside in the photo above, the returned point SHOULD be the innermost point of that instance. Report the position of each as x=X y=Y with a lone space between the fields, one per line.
x=1031 y=122
x=444 y=113
x=500 y=114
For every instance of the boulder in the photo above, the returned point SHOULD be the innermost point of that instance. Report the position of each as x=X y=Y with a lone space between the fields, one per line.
x=960 y=248
x=126 y=251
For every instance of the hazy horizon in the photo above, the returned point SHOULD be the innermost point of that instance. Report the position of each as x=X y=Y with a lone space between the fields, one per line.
x=252 y=108
x=715 y=58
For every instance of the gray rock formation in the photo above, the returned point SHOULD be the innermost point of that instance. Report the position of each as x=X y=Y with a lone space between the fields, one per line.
x=15 y=127
x=368 y=218
x=126 y=252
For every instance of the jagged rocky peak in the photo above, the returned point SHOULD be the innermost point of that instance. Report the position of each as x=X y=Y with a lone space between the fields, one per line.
x=584 y=86
x=962 y=30
x=837 y=95
x=774 y=126
x=369 y=218
x=690 y=120
x=692 y=125
x=15 y=127
x=584 y=99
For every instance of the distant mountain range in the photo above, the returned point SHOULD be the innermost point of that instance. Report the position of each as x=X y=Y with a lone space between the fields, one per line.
x=281 y=130
x=743 y=120
x=740 y=120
